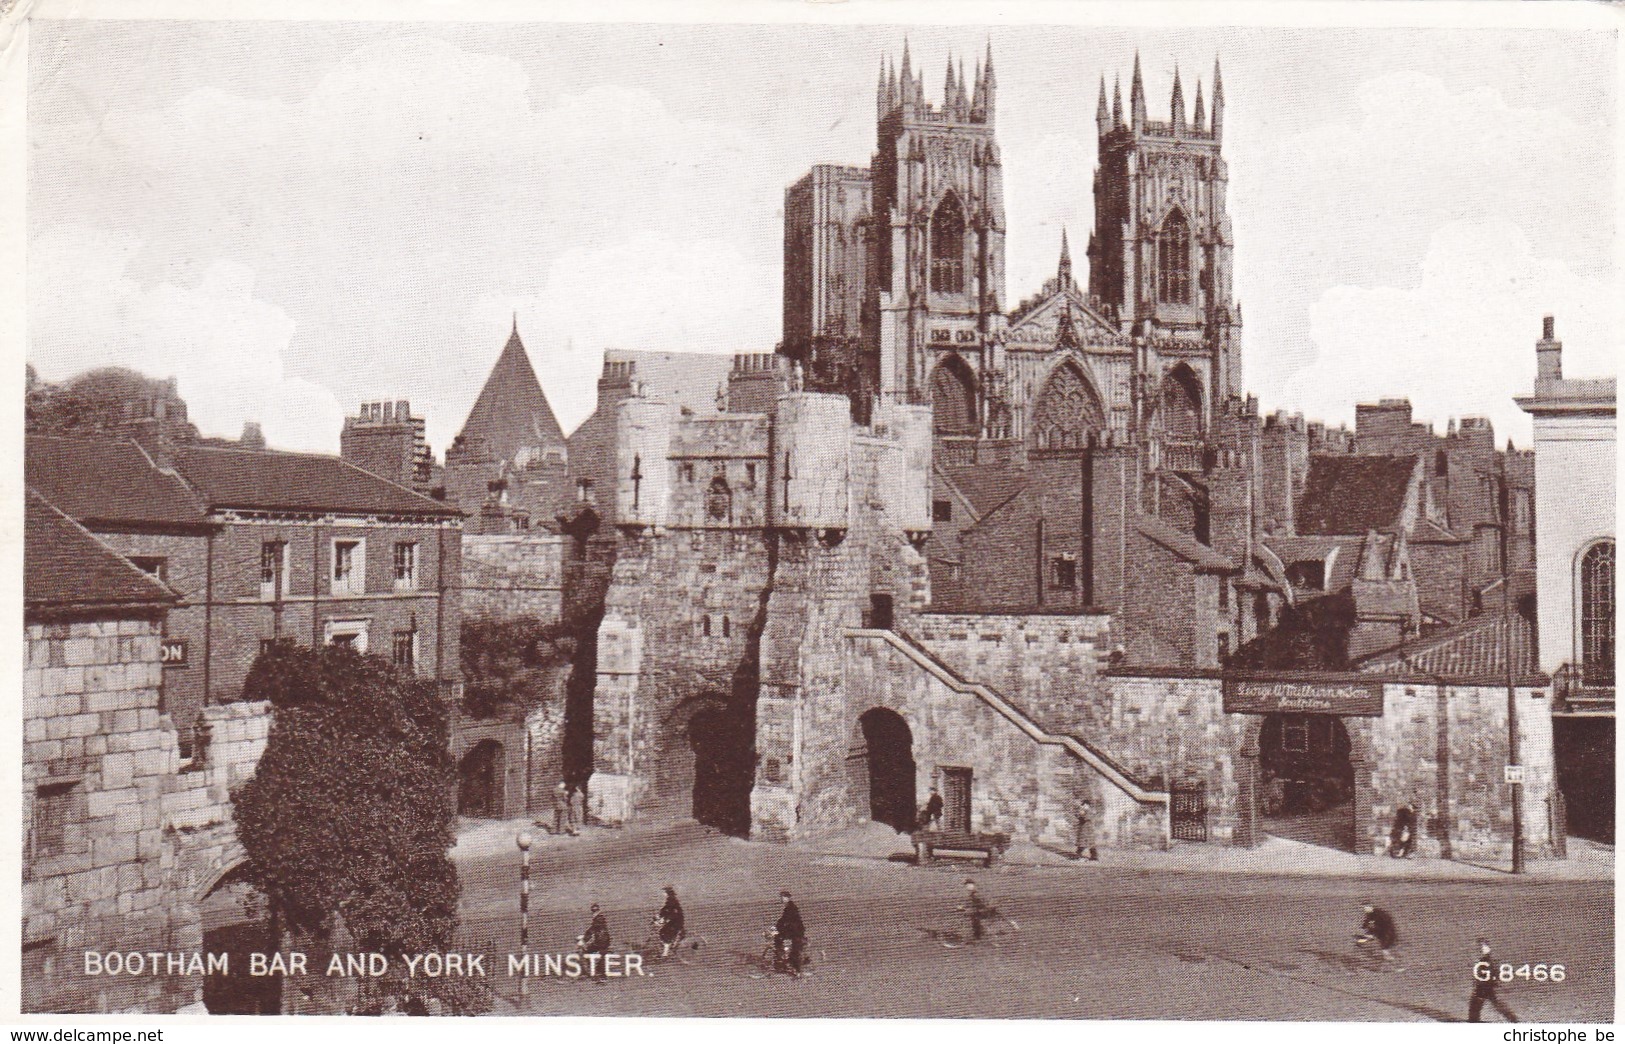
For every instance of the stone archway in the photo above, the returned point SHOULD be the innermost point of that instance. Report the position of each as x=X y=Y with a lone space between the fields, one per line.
x=889 y=761
x=235 y=923
x=1321 y=794
x=722 y=742
x=953 y=398
x=480 y=776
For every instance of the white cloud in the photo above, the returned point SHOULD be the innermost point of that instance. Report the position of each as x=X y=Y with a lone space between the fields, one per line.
x=1460 y=340
x=223 y=344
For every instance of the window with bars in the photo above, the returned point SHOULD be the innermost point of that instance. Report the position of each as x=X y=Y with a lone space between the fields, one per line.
x=948 y=247
x=1295 y=734
x=406 y=566
x=1597 y=615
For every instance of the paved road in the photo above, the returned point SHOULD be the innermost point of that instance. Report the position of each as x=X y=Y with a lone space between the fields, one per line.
x=1093 y=943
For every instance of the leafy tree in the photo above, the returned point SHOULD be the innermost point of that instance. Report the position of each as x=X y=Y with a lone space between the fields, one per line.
x=350 y=813
x=511 y=665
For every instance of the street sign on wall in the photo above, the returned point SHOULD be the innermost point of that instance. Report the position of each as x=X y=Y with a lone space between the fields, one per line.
x=1257 y=696
x=172 y=652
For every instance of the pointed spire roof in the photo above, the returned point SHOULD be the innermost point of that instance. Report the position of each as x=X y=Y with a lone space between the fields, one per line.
x=511 y=412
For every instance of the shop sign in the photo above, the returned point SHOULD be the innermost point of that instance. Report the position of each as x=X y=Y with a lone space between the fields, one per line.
x=1245 y=696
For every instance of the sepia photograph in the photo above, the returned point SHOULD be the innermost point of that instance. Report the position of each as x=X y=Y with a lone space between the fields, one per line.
x=778 y=510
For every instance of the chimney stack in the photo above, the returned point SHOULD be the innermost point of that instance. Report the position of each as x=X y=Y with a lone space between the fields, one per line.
x=1548 y=353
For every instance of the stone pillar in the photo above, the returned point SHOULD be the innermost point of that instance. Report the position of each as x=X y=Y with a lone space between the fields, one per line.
x=1246 y=833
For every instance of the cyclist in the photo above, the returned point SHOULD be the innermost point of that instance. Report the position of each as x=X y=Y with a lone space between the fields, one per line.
x=1377 y=930
x=669 y=923
x=789 y=937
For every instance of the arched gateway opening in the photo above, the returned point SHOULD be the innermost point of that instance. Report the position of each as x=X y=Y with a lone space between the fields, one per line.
x=235 y=924
x=1307 y=780
x=889 y=757
x=479 y=781
x=723 y=745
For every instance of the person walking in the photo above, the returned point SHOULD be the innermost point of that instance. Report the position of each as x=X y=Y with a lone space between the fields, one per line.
x=1402 y=839
x=1086 y=831
x=1484 y=978
x=580 y=790
x=790 y=935
x=564 y=817
x=932 y=813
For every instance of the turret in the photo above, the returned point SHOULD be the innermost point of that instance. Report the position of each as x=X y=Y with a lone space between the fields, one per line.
x=1103 y=115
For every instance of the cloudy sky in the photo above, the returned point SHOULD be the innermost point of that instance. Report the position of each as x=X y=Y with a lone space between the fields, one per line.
x=292 y=218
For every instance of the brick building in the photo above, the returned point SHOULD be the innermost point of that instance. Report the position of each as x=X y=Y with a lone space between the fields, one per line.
x=262 y=546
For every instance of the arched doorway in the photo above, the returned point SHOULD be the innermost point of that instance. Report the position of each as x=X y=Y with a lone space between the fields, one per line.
x=889 y=747
x=235 y=924
x=479 y=781
x=1307 y=780
x=953 y=398
x=724 y=749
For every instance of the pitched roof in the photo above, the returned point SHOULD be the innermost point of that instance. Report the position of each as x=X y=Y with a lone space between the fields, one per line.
x=65 y=567
x=106 y=481
x=1351 y=494
x=1182 y=544
x=985 y=488
x=260 y=480
x=1474 y=648
x=511 y=411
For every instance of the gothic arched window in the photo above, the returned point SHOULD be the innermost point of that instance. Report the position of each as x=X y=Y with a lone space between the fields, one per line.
x=719 y=500
x=1068 y=411
x=953 y=398
x=1597 y=615
x=948 y=247
x=1181 y=405
x=1174 y=259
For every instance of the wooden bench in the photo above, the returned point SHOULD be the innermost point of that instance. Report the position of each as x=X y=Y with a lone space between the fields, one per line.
x=942 y=844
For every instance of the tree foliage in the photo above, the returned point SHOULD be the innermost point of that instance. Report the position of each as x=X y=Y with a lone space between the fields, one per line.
x=351 y=810
x=511 y=665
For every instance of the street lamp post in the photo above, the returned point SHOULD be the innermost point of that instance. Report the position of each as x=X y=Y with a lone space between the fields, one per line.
x=523 y=841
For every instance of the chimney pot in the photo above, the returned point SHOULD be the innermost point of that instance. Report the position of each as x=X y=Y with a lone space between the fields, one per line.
x=1548 y=327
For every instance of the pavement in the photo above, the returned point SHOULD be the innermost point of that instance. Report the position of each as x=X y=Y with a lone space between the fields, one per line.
x=1200 y=931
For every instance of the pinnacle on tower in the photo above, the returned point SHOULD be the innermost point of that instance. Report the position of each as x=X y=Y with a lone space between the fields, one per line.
x=893 y=97
x=882 y=103
x=1177 y=107
x=908 y=98
x=1117 y=102
x=990 y=85
x=1218 y=101
x=948 y=91
x=961 y=100
x=1136 y=98
x=1200 y=120
x=1103 y=115
x=977 y=102
x=1064 y=271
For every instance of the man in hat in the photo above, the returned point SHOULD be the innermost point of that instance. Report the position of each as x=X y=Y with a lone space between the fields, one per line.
x=977 y=909
x=931 y=815
x=1484 y=975
x=790 y=935
x=1377 y=930
x=595 y=940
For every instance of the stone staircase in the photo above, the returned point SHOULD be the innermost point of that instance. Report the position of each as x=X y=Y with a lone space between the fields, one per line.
x=1086 y=752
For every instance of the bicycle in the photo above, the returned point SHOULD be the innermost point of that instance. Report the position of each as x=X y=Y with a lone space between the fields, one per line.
x=1373 y=956
x=772 y=960
x=683 y=947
